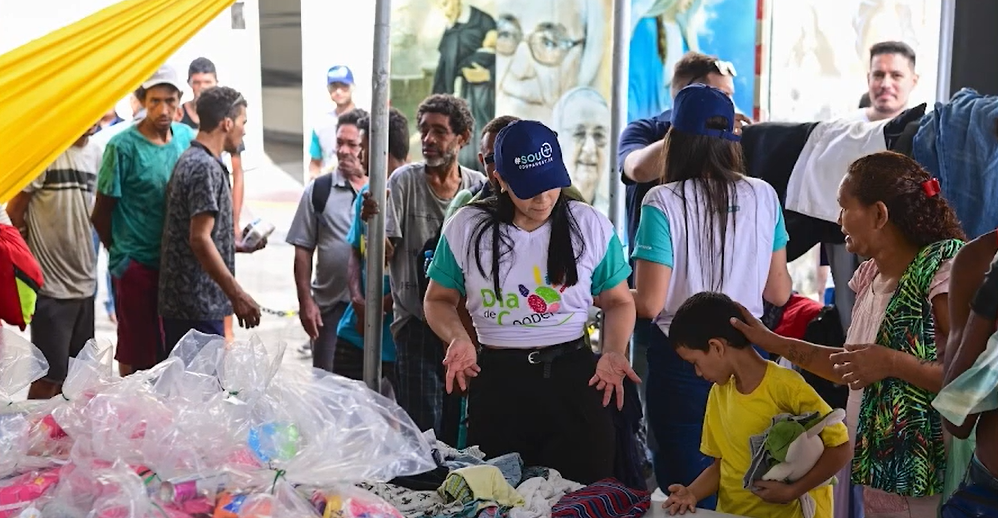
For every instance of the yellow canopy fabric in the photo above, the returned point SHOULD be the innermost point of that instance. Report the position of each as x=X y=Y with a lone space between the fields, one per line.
x=53 y=88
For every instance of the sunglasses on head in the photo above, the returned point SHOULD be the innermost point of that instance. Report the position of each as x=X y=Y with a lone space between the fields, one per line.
x=725 y=68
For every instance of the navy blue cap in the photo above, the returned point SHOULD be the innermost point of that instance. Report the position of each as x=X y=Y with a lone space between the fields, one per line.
x=339 y=74
x=695 y=104
x=528 y=159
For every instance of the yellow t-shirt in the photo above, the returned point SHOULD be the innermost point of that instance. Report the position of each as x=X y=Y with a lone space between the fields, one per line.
x=733 y=417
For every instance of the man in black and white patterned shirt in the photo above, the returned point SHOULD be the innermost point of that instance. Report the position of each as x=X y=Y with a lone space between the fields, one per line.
x=197 y=284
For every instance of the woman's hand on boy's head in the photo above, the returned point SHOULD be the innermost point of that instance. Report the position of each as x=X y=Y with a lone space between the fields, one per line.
x=680 y=500
x=776 y=492
x=753 y=328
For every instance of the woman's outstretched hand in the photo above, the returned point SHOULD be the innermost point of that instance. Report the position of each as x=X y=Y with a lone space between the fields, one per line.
x=461 y=363
x=609 y=377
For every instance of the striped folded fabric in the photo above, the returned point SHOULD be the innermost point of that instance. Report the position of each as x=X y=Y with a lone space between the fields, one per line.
x=607 y=498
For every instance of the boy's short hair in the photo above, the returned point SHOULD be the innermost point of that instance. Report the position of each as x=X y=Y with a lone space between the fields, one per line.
x=703 y=317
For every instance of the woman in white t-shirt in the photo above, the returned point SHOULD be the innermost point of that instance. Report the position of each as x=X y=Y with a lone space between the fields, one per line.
x=707 y=228
x=530 y=261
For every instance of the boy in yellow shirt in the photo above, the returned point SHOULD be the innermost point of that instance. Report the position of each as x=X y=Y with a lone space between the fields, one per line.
x=748 y=392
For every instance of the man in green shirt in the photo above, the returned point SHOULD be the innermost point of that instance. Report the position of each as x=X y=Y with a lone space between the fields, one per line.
x=128 y=216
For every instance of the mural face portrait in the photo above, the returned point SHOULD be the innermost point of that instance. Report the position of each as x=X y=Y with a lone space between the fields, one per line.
x=582 y=120
x=544 y=49
x=451 y=9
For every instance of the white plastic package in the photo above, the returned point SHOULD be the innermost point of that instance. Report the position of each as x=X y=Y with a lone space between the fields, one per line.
x=21 y=363
x=222 y=429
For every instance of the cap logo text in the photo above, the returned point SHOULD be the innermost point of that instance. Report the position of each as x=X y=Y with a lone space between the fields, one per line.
x=538 y=158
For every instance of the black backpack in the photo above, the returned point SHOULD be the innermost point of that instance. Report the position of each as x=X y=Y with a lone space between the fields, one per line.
x=320 y=192
x=826 y=329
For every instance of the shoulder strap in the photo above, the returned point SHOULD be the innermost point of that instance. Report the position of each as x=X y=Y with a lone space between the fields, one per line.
x=320 y=192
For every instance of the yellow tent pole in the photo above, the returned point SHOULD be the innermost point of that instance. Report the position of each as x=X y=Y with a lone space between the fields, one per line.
x=55 y=87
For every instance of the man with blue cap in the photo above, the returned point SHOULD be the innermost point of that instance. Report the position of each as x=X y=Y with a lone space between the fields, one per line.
x=530 y=261
x=322 y=150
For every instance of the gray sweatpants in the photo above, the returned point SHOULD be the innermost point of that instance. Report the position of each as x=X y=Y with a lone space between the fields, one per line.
x=324 y=347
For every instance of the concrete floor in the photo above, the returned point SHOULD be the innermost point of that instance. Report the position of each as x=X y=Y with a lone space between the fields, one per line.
x=287 y=155
x=272 y=194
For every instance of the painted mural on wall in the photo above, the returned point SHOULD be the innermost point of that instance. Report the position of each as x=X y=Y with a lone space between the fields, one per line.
x=448 y=47
x=663 y=30
x=553 y=65
x=820 y=52
x=547 y=60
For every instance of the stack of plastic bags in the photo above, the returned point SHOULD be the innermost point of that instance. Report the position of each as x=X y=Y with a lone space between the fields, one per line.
x=218 y=430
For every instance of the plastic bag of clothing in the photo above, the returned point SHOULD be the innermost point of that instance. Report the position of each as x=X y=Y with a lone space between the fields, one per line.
x=261 y=419
x=343 y=432
x=346 y=501
x=26 y=490
x=281 y=501
x=219 y=429
x=21 y=363
x=48 y=441
x=124 y=421
x=94 y=488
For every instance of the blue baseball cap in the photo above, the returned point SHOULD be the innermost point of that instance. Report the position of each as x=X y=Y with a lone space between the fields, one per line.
x=528 y=159
x=695 y=104
x=339 y=74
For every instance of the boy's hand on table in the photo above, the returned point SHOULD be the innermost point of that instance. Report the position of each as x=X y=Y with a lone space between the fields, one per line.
x=680 y=500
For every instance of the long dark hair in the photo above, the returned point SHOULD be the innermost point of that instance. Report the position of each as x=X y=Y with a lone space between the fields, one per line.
x=565 y=234
x=713 y=165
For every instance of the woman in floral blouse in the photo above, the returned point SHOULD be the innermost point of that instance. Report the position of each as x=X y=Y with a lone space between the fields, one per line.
x=893 y=213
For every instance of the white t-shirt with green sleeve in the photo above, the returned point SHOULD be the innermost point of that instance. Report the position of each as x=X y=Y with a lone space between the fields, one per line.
x=673 y=235
x=529 y=311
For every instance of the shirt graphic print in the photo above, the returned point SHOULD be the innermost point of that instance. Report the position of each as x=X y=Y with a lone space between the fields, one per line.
x=530 y=310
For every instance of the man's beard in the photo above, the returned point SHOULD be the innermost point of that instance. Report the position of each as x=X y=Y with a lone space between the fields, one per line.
x=445 y=159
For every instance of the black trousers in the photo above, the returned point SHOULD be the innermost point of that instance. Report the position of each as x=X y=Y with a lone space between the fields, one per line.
x=348 y=361
x=557 y=421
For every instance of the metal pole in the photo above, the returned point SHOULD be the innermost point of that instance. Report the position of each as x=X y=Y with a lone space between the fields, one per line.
x=378 y=161
x=947 y=22
x=618 y=120
x=618 y=100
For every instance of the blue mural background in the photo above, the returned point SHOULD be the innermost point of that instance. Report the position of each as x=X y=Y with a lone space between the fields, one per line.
x=664 y=28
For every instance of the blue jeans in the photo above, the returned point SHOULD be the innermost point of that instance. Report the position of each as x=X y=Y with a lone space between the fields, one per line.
x=676 y=400
x=977 y=496
x=109 y=303
x=174 y=329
